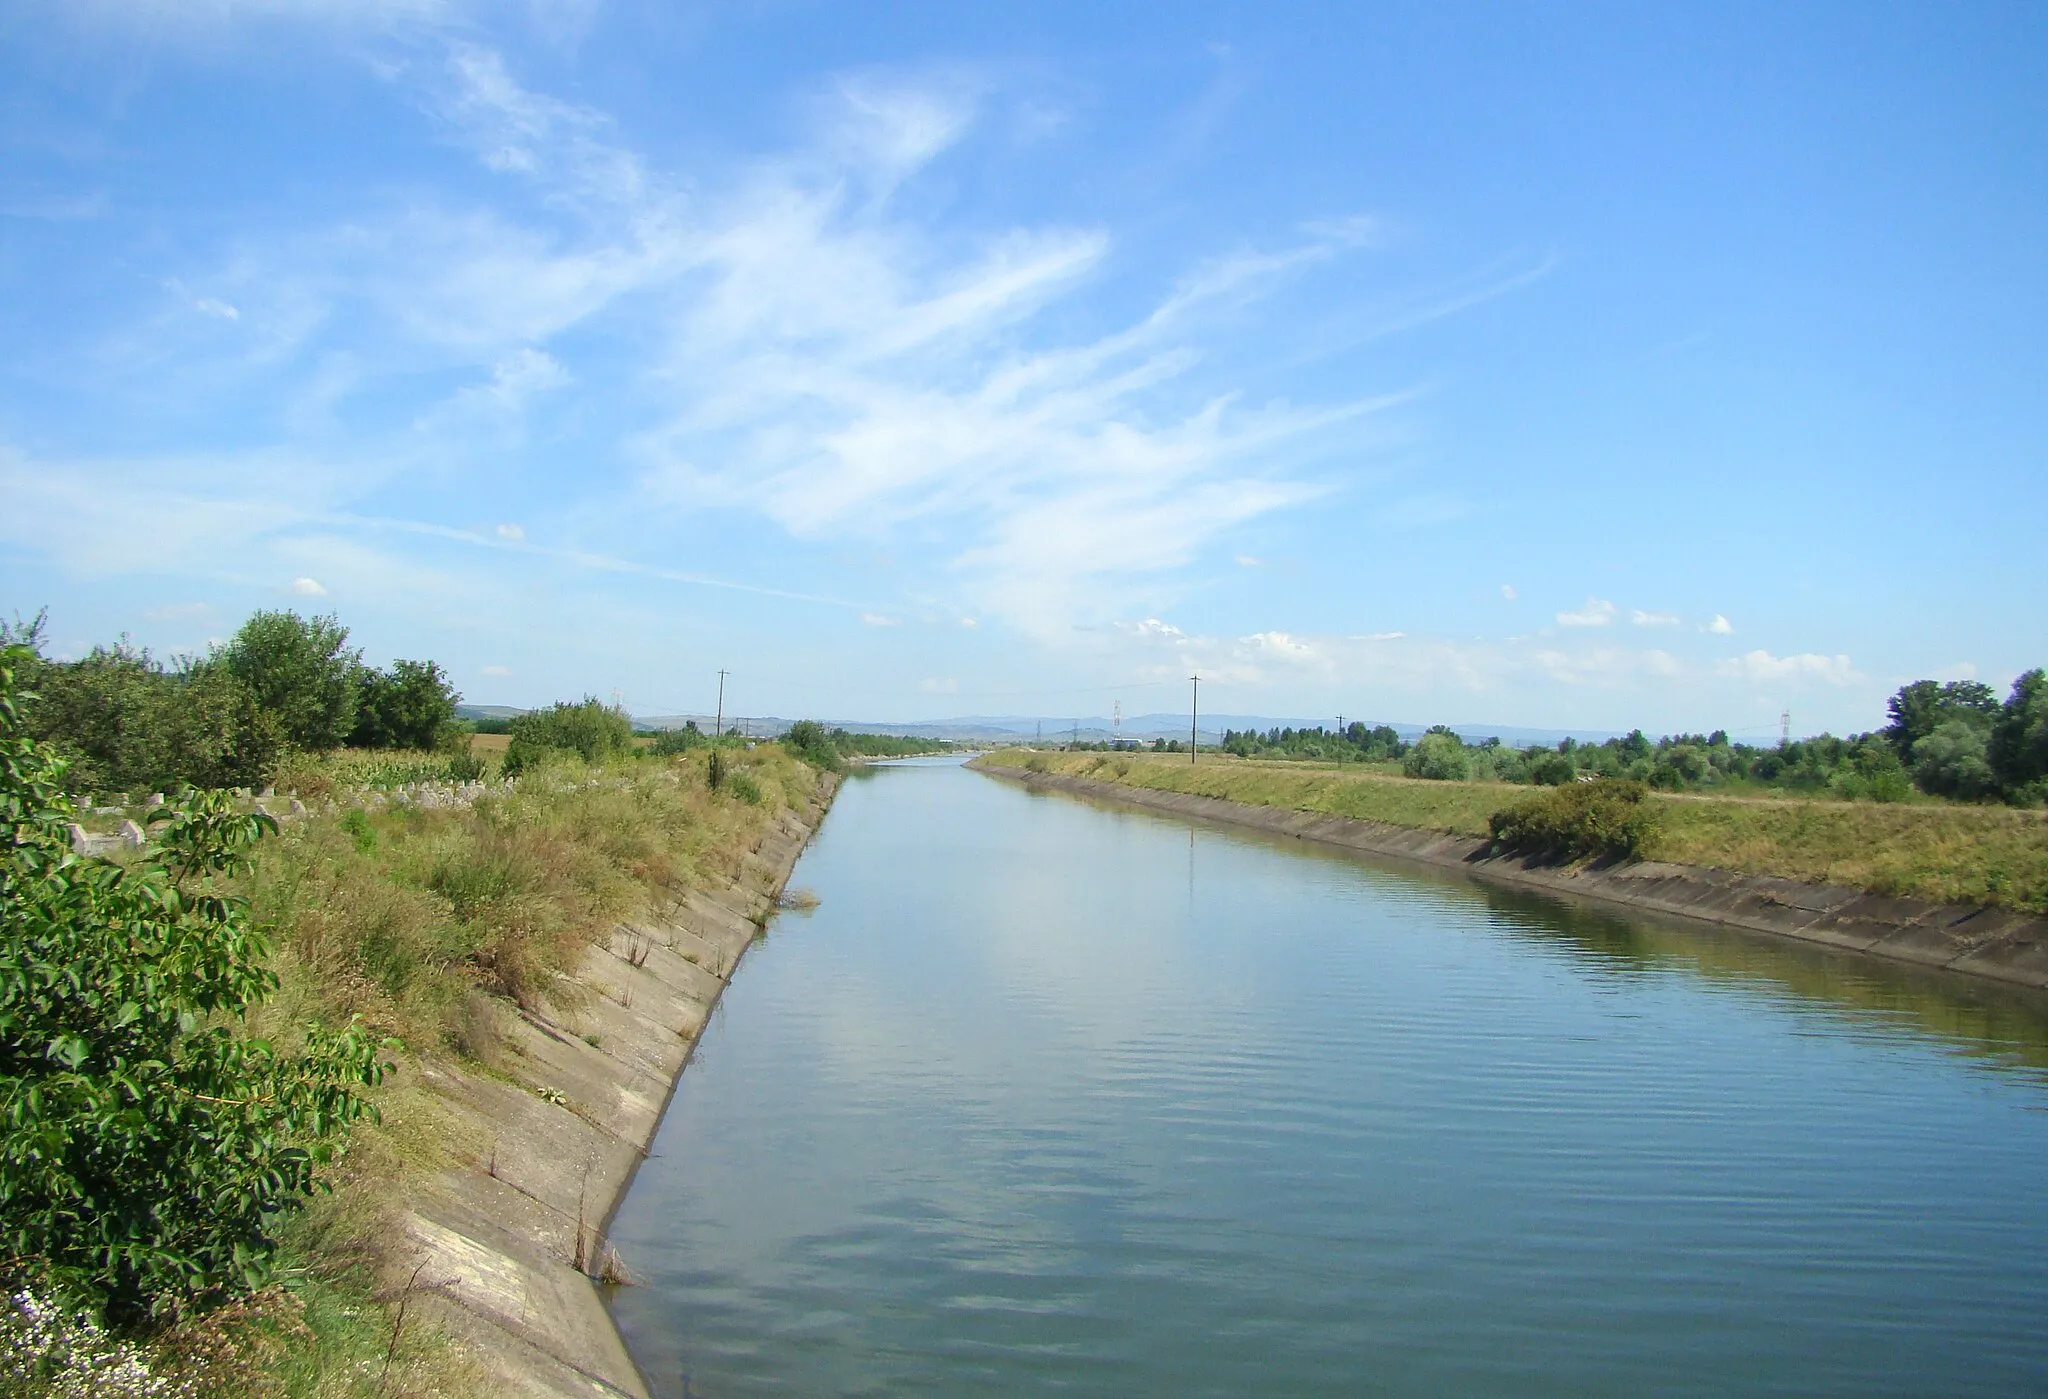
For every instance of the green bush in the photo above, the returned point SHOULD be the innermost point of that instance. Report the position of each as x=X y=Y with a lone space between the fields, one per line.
x=808 y=740
x=670 y=742
x=1602 y=819
x=744 y=787
x=1439 y=756
x=412 y=705
x=147 y=1149
x=301 y=673
x=592 y=731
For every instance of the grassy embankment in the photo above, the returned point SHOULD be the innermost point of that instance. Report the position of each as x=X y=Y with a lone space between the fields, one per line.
x=1947 y=852
x=433 y=925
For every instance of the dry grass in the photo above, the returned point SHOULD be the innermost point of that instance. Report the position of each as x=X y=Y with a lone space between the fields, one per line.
x=1933 y=850
x=431 y=926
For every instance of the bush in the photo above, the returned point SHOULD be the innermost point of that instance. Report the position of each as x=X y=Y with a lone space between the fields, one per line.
x=670 y=742
x=1552 y=770
x=1441 y=757
x=1953 y=762
x=591 y=731
x=1601 y=819
x=745 y=788
x=412 y=705
x=808 y=740
x=2018 y=751
x=147 y=1149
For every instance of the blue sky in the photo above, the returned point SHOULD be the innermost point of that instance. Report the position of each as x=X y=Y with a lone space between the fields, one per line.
x=1583 y=366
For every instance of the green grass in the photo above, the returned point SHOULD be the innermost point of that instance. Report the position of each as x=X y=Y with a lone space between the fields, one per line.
x=1940 y=851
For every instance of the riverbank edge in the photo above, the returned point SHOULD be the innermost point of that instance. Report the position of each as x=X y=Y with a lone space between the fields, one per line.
x=1994 y=943
x=507 y=1251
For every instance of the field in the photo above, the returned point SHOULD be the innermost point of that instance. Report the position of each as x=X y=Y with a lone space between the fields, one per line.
x=1948 y=852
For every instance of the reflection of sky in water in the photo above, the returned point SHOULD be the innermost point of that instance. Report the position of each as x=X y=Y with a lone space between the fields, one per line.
x=1052 y=1096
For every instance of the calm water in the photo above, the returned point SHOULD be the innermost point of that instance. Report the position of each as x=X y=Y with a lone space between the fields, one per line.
x=1052 y=1098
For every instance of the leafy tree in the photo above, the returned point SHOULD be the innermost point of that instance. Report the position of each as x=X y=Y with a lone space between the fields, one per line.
x=2018 y=751
x=147 y=1149
x=124 y=723
x=411 y=705
x=592 y=731
x=672 y=741
x=1920 y=708
x=301 y=672
x=1952 y=762
x=1438 y=755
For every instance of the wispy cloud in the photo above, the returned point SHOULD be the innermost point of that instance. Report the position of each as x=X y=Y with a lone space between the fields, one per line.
x=1653 y=619
x=1763 y=666
x=1597 y=612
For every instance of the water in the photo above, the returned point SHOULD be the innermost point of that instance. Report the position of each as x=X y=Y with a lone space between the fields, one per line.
x=1047 y=1097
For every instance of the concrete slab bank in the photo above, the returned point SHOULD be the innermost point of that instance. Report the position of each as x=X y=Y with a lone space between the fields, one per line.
x=504 y=1250
x=1999 y=944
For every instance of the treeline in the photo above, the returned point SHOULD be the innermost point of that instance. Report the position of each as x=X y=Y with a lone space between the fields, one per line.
x=123 y=720
x=1955 y=740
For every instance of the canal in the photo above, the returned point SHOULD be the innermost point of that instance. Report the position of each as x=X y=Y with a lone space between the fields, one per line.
x=1051 y=1097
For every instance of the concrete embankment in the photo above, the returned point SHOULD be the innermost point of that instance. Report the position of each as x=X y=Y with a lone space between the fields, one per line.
x=503 y=1251
x=1999 y=944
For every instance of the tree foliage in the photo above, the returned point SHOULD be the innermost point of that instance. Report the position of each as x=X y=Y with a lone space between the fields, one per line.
x=301 y=672
x=149 y=1147
x=411 y=705
x=1438 y=755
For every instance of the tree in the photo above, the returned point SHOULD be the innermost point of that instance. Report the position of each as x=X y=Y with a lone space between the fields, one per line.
x=412 y=705
x=2018 y=750
x=1438 y=755
x=300 y=672
x=1952 y=762
x=148 y=1148
x=1920 y=708
x=808 y=740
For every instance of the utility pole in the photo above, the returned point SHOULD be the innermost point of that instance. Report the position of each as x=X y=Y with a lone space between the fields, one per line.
x=718 y=724
x=1039 y=742
x=1340 y=740
x=1194 y=712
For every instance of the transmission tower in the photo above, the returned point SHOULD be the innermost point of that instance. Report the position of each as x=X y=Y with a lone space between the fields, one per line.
x=1784 y=728
x=1116 y=722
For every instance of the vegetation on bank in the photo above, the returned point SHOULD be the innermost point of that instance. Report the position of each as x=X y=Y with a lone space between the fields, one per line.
x=200 y=1029
x=1954 y=740
x=1948 y=852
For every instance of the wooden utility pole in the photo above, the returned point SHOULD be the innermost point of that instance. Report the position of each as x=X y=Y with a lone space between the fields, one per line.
x=718 y=724
x=1194 y=713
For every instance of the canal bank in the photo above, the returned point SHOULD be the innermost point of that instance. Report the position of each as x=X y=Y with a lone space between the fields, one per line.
x=1998 y=944
x=509 y=1250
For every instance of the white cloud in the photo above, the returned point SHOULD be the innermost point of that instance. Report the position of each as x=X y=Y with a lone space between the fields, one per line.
x=1152 y=627
x=1653 y=619
x=497 y=671
x=969 y=622
x=876 y=619
x=1720 y=626
x=1961 y=670
x=1596 y=613
x=1247 y=561
x=1763 y=666
x=207 y=305
x=510 y=532
x=308 y=587
x=933 y=685
x=1507 y=590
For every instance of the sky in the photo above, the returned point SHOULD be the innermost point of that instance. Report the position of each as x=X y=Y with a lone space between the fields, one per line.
x=1583 y=366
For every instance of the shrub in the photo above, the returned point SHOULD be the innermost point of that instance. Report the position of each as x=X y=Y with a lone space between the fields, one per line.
x=1601 y=819
x=808 y=740
x=591 y=731
x=412 y=705
x=147 y=1149
x=745 y=788
x=1952 y=762
x=1552 y=770
x=1438 y=756
x=670 y=742
x=2018 y=751
x=301 y=672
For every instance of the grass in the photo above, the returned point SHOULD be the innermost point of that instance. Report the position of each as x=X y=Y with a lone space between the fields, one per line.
x=1941 y=851
x=432 y=925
